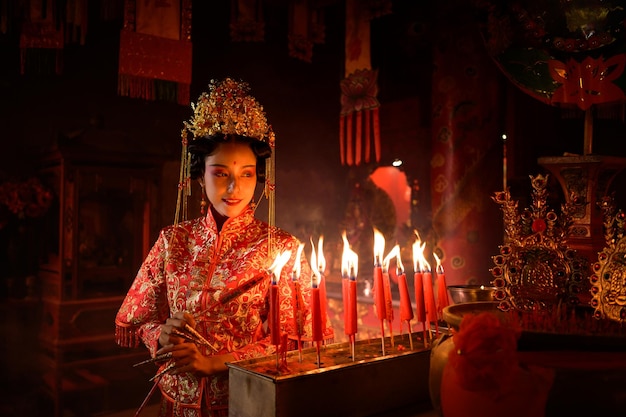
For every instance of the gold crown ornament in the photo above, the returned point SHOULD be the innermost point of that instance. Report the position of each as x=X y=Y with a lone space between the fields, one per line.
x=535 y=270
x=608 y=279
x=227 y=108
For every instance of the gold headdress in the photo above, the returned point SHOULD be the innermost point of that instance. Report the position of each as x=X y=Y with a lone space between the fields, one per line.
x=227 y=108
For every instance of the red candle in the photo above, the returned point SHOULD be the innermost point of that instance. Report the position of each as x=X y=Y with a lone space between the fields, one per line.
x=418 y=283
x=316 y=318
x=321 y=267
x=298 y=302
x=379 y=293
x=379 y=287
x=406 y=310
x=349 y=267
x=351 y=321
x=345 y=288
x=323 y=302
x=442 y=289
x=274 y=321
x=388 y=300
x=297 y=308
x=274 y=313
x=394 y=253
x=316 y=314
x=429 y=296
x=379 y=290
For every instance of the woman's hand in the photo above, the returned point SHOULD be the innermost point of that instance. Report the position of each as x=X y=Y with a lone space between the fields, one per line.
x=174 y=327
x=185 y=354
x=187 y=357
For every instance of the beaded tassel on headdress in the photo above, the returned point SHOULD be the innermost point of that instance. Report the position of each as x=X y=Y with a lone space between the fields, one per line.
x=270 y=190
x=227 y=108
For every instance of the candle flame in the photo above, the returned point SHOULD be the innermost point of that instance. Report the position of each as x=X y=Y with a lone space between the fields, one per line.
x=419 y=260
x=345 y=257
x=379 y=247
x=399 y=266
x=392 y=254
x=439 y=265
x=321 y=261
x=315 y=276
x=349 y=259
x=354 y=265
x=295 y=274
x=278 y=265
x=424 y=265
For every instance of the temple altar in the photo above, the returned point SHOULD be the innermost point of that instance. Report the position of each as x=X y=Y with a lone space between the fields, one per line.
x=378 y=384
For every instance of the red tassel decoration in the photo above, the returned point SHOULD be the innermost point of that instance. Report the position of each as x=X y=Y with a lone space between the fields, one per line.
x=376 y=134
x=349 y=159
x=368 y=139
x=357 y=138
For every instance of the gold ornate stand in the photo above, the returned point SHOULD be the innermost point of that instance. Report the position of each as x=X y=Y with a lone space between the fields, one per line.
x=585 y=180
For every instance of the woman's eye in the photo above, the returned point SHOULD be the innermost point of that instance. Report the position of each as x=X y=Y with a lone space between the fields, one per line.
x=248 y=174
x=220 y=174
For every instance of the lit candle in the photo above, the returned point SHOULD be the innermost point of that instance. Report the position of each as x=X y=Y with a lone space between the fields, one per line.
x=316 y=318
x=351 y=328
x=442 y=289
x=321 y=267
x=298 y=303
x=418 y=284
x=274 y=316
x=350 y=265
x=406 y=310
x=379 y=292
x=345 y=279
x=387 y=290
x=429 y=296
x=352 y=303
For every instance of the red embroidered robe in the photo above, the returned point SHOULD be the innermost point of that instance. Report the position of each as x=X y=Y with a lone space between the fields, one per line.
x=190 y=267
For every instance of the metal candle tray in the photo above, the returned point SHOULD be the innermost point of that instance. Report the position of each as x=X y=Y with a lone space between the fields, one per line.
x=371 y=384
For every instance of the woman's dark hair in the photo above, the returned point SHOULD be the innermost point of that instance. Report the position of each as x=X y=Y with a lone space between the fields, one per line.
x=200 y=148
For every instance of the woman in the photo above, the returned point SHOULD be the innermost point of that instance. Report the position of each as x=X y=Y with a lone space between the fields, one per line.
x=209 y=276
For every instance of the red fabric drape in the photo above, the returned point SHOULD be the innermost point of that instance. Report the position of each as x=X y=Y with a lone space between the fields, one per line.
x=466 y=162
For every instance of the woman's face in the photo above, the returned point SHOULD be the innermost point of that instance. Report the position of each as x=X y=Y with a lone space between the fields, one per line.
x=230 y=178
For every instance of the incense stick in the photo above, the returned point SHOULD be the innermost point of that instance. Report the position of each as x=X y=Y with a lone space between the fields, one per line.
x=164 y=371
x=198 y=337
x=158 y=358
x=148 y=396
x=231 y=295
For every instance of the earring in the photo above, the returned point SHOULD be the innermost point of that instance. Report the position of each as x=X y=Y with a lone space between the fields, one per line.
x=203 y=205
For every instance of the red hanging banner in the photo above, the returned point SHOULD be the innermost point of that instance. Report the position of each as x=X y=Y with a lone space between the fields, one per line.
x=359 y=124
x=41 y=39
x=359 y=87
x=155 y=45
